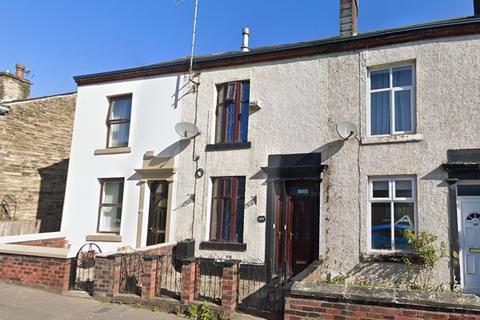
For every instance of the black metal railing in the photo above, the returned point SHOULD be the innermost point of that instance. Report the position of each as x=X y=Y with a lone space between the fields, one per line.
x=131 y=270
x=83 y=268
x=210 y=282
x=168 y=276
x=256 y=292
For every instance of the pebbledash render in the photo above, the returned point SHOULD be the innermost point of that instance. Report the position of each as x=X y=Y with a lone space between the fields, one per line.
x=268 y=180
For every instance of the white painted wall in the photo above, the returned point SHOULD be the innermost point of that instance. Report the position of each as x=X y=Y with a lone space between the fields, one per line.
x=154 y=115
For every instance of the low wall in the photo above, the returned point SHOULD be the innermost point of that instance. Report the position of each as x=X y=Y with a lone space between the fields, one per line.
x=41 y=267
x=107 y=269
x=326 y=301
x=52 y=243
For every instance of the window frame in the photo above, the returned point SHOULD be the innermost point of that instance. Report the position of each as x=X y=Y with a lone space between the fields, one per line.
x=101 y=205
x=392 y=199
x=391 y=89
x=214 y=234
x=238 y=111
x=110 y=122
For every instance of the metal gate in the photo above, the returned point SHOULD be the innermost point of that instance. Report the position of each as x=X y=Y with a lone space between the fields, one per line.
x=256 y=293
x=83 y=267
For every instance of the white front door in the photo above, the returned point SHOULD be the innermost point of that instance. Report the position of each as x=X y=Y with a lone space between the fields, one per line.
x=469 y=226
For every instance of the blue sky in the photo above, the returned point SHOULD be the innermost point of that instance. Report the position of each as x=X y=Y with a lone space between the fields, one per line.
x=57 y=39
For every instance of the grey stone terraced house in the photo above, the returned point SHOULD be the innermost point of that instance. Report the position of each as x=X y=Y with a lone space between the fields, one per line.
x=34 y=151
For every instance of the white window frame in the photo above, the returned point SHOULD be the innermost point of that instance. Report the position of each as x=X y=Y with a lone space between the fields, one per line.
x=392 y=199
x=392 y=91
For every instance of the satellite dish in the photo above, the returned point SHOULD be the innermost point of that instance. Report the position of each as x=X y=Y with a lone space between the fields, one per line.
x=186 y=130
x=346 y=130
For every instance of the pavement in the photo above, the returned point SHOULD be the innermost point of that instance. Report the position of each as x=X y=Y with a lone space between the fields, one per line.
x=21 y=303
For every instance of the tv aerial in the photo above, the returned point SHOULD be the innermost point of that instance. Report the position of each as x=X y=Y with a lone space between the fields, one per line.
x=187 y=130
x=346 y=130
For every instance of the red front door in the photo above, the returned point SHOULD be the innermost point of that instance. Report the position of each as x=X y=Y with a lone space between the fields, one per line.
x=300 y=225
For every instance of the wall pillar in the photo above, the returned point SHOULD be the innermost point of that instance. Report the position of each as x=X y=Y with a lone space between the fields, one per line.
x=107 y=276
x=149 y=277
x=187 y=290
x=229 y=286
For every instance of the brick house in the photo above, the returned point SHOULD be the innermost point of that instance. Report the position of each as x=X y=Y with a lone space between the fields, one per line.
x=269 y=180
x=34 y=151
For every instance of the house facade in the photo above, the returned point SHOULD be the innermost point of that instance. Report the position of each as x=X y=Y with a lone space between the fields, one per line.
x=268 y=180
x=35 y=146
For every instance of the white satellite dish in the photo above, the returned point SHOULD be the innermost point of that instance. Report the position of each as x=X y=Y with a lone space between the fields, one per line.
x=186 y=130
x=346 y=130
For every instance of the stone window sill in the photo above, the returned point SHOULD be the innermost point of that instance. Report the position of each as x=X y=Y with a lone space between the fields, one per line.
x=228 y=146
x=104 y=237
x=392 y=139
x=397 y=257
x=120 y=150
x=223 y=246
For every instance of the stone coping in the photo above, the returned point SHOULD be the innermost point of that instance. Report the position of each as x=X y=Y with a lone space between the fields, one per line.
x=139 y=250
x=387 y=296
x=31 y=237
x=46 y=252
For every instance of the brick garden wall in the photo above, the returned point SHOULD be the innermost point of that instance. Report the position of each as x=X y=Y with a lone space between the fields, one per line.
x=34 y=151
x=307 y=301
x=42 y=272
x=51 y=243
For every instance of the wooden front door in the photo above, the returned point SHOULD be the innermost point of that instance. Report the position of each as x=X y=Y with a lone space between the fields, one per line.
x=302 y=224
x=157 y=217
x=297 y=221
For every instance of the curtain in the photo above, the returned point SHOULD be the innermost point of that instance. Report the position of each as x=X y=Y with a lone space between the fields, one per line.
x=380 y=113
x=403 y=110
x=121 y=109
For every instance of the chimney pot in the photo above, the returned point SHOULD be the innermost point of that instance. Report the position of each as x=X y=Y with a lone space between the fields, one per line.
x=349 y=18
x=476 y=7
x=246 y=38
x=20 y=70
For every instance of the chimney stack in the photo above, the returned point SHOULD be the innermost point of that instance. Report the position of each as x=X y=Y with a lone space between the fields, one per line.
x=349 y=17
x=476 y=7
x=20 y=70
x=246 y=37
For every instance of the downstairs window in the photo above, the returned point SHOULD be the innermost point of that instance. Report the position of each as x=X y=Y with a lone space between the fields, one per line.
x=392 y=211
x=228 y=205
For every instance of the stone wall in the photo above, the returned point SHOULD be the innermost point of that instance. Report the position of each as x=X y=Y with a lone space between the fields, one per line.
x=34 y=153
x=13 y=88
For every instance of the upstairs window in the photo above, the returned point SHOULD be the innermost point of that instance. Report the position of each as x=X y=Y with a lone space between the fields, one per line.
x=111 y=196
x=392 y=101
x=232 y=112
x=118 y=121
x=228 y=204
x=392 y=211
